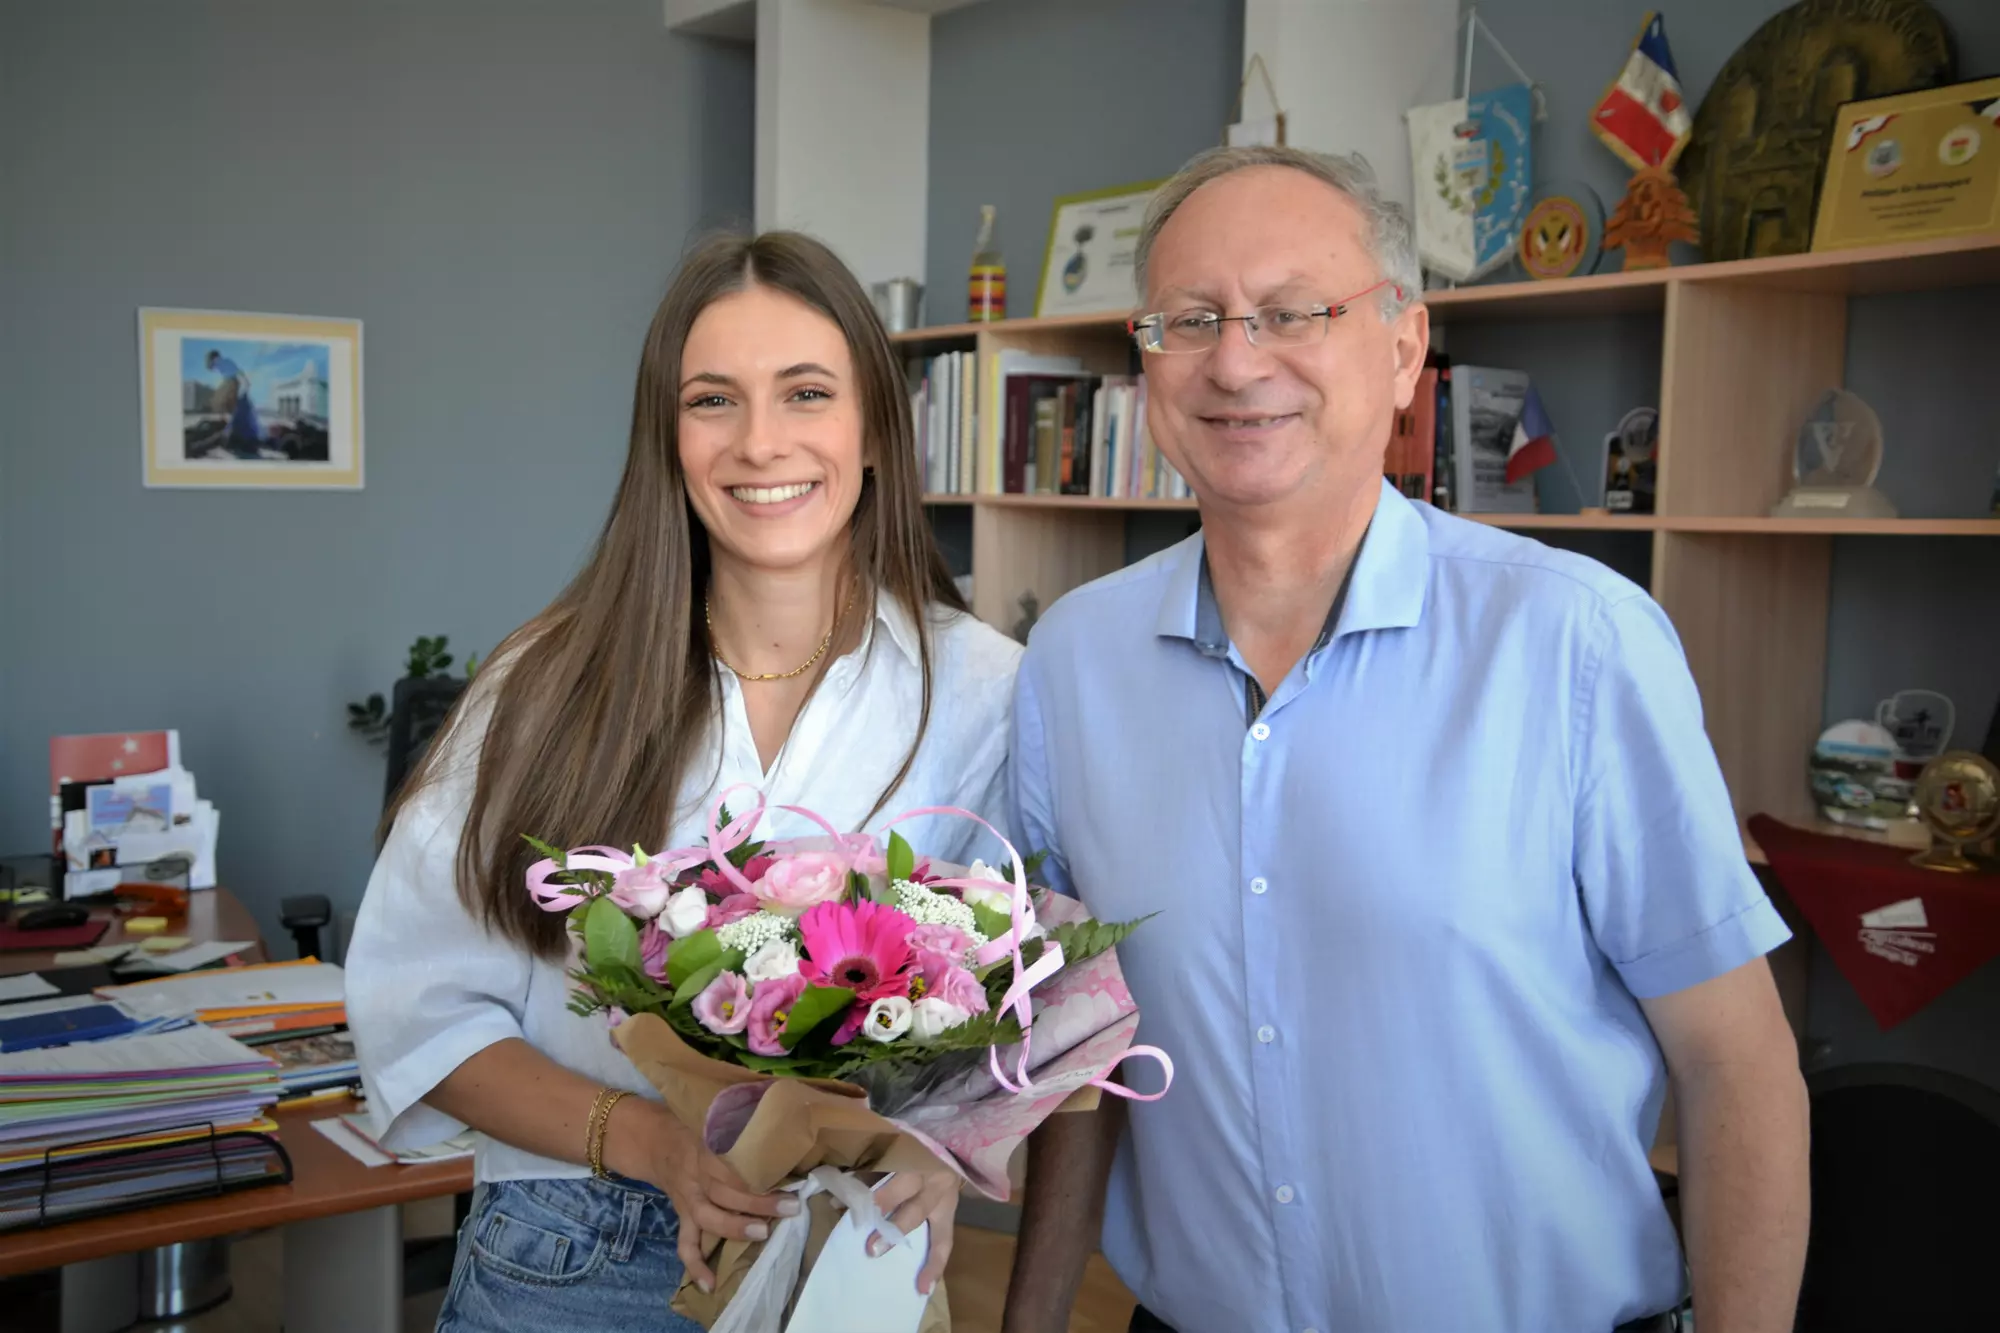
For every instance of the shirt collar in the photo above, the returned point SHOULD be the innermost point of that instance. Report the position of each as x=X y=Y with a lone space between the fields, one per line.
x=1384 y=589
x=891 y=616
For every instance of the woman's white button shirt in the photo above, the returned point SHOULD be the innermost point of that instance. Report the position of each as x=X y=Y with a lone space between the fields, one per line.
x=428 y=987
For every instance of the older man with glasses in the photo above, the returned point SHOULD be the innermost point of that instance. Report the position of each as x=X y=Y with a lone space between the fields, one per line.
x=1449 y=889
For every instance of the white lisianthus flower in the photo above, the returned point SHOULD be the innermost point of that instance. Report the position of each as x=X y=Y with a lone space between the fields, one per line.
x=1000 y=898
x=685 y=913
x=931 y=1018
x=774 y=962
x=888 y=1018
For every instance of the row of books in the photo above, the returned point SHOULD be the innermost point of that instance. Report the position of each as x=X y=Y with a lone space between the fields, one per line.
x=1452 y=445
x=1053 y=428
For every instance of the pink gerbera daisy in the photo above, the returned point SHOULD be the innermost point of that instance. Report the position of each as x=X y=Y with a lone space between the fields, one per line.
x=862 y=946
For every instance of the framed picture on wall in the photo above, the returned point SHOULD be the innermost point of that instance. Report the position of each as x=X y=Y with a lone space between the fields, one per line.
x=238 y=400
x=1093 y=238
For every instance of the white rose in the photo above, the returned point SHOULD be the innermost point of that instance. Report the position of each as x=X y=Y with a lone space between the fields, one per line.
x=888 y=1018
x=685 y=913
x=931 y=1018
x=774 y=962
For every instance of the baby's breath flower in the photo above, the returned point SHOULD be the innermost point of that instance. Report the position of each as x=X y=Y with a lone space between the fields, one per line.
x=936 y=909
x=753 y=932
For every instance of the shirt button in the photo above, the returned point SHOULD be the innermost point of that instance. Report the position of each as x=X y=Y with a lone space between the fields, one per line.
x=1258 y=885
x=1260 y=732
x=1284 y=1194
x=1267 y=1033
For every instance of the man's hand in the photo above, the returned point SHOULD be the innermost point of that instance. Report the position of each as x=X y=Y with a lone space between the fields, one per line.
x=1740 y=1105
x=912 y=1198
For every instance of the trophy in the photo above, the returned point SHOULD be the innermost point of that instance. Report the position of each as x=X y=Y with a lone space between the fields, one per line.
x=1833 y=468
x=1919 y=723
x=1958 y=795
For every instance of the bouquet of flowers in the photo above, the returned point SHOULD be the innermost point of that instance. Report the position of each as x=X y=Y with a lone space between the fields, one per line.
x=834 y=1004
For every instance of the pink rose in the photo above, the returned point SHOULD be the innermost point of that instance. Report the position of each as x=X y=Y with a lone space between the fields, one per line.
x=770 y=1005
x=799 y=882
x=733 y=908
x=642 y=891
x=653 y=944
x=947 y=940
x=939 y=977
x=757 y=867
x=724 y=1007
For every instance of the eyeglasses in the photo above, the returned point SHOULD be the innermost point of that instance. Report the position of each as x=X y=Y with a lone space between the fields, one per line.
x=1266 y=326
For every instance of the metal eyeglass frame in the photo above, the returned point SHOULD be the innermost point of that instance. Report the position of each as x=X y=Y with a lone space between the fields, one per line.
x=1154 y=325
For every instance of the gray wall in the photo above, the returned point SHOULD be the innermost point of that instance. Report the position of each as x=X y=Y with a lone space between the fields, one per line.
x=497 y=189
x=1035 y=99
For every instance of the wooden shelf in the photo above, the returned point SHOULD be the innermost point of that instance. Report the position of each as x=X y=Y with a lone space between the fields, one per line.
x=1909 y=266
x=1747 y=524
x=946 y=335
x=1840 y=527
x=1910 y=835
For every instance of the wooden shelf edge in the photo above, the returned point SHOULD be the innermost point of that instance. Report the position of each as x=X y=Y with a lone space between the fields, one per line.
x=1839 y=527
x=1725 y=524
x=1909 y=836
x=1867 y=269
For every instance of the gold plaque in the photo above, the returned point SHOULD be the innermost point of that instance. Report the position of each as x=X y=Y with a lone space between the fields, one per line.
x=1913 y=167
x=1958 y=795
x=1766 y=123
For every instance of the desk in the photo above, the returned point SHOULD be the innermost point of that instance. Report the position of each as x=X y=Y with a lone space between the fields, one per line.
x=341 y=1220
x=213 y=914
x=326 y=1182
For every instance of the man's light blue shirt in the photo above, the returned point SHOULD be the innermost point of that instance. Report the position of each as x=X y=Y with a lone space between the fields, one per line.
x=1405 y=918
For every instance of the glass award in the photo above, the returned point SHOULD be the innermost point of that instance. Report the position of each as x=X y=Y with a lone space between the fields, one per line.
x=1839 y=451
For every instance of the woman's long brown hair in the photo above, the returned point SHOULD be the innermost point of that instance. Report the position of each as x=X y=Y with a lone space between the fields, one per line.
x=602 y=703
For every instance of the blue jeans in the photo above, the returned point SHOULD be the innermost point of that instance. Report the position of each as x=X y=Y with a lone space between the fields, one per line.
x=574 y=1256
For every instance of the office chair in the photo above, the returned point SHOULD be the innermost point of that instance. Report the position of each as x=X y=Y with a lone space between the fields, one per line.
x=418 y=711
x=1905 y=1169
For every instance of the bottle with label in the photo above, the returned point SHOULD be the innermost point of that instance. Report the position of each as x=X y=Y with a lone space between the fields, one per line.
x=986 y=298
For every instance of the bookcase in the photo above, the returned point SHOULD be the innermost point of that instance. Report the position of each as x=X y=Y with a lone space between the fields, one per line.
x=1746 y=348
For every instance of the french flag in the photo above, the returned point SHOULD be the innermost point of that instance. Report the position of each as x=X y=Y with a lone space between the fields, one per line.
x=1534 y=445
x=1643 y=117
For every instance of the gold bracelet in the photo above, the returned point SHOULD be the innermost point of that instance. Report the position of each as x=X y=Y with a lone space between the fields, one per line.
x=600 y=1116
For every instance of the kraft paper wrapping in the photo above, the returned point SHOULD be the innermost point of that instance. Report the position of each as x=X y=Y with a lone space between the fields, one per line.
x=772 y=1129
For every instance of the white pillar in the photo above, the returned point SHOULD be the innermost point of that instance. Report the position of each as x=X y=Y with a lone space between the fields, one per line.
x=1346 y=70
x=843 y=129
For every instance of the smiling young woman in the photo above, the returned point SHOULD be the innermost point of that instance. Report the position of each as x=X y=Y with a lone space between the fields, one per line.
x=765 y=605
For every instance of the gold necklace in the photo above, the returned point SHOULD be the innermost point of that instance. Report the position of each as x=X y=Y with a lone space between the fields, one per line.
x=708 y=620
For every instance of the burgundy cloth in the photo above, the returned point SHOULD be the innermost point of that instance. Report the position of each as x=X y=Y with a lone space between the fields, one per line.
x=13 y=938
x=1934 y=928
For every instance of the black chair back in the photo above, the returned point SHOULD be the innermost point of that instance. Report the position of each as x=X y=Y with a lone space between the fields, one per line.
x=419 y=710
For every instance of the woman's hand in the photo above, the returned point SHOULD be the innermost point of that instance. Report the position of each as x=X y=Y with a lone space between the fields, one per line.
x=912 y=1198
x=710 y=1199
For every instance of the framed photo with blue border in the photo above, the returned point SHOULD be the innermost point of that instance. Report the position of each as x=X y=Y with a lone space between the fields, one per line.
x=229 y=400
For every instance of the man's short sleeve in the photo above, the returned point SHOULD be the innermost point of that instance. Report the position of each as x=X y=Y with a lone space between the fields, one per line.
x=1670 y=898
x=1031 y=795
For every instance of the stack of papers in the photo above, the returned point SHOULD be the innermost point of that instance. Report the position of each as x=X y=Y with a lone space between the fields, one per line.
x=124 y=1093
x=134 y=819
x=312 y=1064
x=242 y=1001
x=355 y=1135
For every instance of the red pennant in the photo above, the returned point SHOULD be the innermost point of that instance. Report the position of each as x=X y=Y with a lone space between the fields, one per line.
x=1901 y=935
